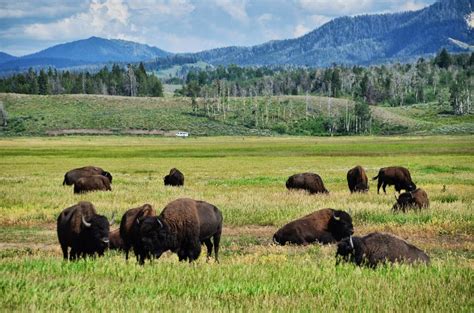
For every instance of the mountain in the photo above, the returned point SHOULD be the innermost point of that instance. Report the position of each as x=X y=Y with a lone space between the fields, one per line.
x=365 y=39
x=93 y=50
x=5 y=57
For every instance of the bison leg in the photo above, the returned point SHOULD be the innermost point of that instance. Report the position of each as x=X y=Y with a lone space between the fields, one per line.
x=379 y=183
x=209 y=248
x=64 y=248
x=383 y=187
x=217 y=239
x=182 y=255
x=194 y=251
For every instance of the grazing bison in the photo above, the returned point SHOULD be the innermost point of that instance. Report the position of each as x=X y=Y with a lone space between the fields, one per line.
x=412 y=199
x=174 y=178
x=92 y=183
x=357 y=180
x=82 y=229
x=183 y=225
x=376 y=248
x=395 y=175
x=115 y=241
x=130 y=230
x=323 y=226
x=308 y=181
x=72 y=176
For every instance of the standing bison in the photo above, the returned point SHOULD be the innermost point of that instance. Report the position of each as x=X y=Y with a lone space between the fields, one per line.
x=130 y=231
x=357 y=180
x=323 y=226
x=174 y=178
x=72 y=176
x=183 y=225
x=92 y=183
x=376 y=248
x=395 y=175
x=412 y=199
x=82 y=229
x=307 y=181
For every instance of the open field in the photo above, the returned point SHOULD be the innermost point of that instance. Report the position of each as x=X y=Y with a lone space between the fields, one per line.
x=244 y=177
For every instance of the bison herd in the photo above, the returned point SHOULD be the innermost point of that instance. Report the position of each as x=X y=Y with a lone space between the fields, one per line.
x=184 y=225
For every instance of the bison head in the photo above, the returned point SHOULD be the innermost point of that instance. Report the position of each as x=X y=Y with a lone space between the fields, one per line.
x=361 y=187
x=154 y=236
x=340 y=225
x=349 y=250
x=96 y=233
x=108 y=175
x=405 y=200
x=411 y=186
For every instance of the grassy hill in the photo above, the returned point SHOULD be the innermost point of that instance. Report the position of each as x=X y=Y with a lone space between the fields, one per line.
x=293 y=115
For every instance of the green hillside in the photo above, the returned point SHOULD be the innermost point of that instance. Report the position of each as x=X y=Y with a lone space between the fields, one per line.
x=291 y=115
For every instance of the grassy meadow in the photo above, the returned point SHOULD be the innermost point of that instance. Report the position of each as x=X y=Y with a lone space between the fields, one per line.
x=245 y=177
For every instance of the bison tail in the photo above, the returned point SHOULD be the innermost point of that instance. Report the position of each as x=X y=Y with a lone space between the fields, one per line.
x=374 y=178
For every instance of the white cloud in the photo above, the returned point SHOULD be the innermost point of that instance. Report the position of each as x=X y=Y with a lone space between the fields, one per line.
x=22 y=9
x=265 y=18
x=336 y=7
x=470 y=20
x=176 y=8
x=300 y=30
x=235 y=8
x=318 y=20
x=408 y=6
x=109 y=18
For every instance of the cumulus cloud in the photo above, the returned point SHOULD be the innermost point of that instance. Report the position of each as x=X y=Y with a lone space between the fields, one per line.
x=109 y=18
x=235 y=8
x=176 y=8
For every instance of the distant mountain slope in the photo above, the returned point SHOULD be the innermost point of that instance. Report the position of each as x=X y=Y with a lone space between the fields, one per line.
x=362 y=39
x=5 y=57
x=88 y=51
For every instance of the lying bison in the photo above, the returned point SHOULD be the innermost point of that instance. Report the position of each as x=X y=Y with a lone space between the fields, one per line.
x=307 y=181
x=412 y=199
x=130 y=231
x=174 y=178
x=115 y=241
x=323 y=226
x=376 y=248
x=73 y=175
x=82 y=229
x=183 y=225
x=357 y=180
x=92 y=183
x=395 y=175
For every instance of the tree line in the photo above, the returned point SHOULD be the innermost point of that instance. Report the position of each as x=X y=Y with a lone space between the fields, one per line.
x=132 y=80
x=446 y=79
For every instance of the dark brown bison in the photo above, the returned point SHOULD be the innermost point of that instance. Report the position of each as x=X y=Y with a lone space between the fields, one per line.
x=357 y=180
x=323 y=226
x=183 y=225
x=92 y=183
x=82 y=229
x=115 y=241
x=174 y=178
x=395 y=175
x=307 y=181
x=73 y=175
x=376 y=248
x=412 y=199
x=130 y=230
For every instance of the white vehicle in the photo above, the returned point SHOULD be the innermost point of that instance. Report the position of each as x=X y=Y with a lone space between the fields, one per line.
x=182 y=134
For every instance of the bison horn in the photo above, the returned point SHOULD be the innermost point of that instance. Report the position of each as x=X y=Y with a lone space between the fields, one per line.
x=351 y=242
x=85 y=223
x=159 y=222
x=337 y=218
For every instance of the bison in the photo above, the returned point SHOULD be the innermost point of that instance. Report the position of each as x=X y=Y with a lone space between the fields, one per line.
x=82 y=229
x=183 y=225
x=92 y=183
x=323 y=226
x=174 y=178
x=376 y=248
x=307 y=181
x=412 y=199
x=72 y=176
x=357 y=180
x=395 y=175
x=115 y=241
x=130 y=230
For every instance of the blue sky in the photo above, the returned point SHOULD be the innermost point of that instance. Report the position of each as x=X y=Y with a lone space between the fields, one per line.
x=28 y=26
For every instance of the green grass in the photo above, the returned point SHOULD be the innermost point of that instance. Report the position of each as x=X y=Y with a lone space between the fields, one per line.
x=245 y=177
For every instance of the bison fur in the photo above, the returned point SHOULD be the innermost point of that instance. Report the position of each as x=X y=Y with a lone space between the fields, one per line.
x=307 y=181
